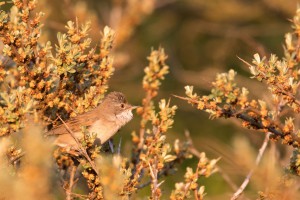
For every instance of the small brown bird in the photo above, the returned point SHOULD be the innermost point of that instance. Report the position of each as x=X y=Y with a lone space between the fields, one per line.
x=105 y=120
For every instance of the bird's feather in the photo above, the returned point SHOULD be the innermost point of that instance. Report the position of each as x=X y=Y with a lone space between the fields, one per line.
x=75 y=124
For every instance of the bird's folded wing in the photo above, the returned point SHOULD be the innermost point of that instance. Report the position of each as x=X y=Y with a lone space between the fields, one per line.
x=74 y=124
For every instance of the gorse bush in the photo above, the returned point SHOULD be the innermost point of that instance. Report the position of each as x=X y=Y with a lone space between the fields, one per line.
x=43 y=85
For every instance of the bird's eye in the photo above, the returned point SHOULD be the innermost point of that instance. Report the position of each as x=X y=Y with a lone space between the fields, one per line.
x=122 y=105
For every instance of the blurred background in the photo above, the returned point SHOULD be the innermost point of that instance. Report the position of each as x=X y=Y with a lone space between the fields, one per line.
x=201 y=38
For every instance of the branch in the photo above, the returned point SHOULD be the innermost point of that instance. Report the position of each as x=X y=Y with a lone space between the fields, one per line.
x=257 y=161
x=258 y=124
x=71 y=183
x=244 y=117
x=80 y=147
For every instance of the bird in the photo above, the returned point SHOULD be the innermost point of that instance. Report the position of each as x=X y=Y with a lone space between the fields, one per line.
x=105 y=120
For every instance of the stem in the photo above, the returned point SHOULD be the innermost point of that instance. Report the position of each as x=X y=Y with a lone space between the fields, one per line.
x=71 y=183
x=257 y=161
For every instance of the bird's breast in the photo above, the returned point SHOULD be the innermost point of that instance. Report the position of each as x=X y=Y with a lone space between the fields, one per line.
x=104 y=129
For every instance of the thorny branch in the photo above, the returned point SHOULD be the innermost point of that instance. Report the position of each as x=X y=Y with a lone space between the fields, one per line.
x=252 y=122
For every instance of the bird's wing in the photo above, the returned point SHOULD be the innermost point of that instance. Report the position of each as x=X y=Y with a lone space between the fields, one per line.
x=74 y=124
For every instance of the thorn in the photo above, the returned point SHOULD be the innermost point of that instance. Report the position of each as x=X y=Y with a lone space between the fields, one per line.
x=158 y=185
x=180 y=97
x=151 y=171
x=249 y=65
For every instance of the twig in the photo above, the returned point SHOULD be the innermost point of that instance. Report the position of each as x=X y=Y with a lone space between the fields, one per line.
x=225 y=176
x=160 y=174
x=197 y=172
x=154 y=180
x=71 y=183
x=257 y=161
x=145 y=105
x=186 y=189
x=80 y=147
x=136 y=156
x=81 y=196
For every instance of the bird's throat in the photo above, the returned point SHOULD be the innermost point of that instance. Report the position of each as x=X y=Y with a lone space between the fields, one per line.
x=124 y=117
